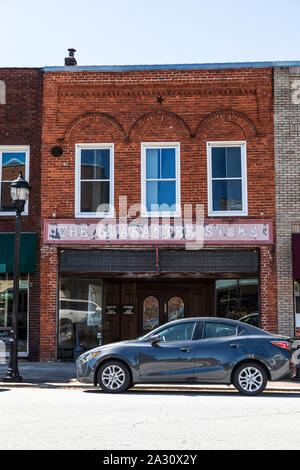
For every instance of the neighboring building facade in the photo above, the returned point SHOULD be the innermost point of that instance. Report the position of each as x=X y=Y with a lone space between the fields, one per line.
x=21 y=92
x=127 y=145
x=287 y=165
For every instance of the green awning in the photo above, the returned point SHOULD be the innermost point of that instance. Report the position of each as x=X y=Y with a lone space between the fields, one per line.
x=27 y=252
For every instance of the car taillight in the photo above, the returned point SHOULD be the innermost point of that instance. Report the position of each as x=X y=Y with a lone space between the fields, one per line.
x=282 y=344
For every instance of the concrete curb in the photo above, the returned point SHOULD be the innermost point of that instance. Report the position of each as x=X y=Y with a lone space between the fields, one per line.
x=286 y=387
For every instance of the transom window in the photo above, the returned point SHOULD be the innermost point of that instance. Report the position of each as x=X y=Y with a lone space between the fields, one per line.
x=227 y=178
x=94 y=180
x=160 y=180
x=13 y=160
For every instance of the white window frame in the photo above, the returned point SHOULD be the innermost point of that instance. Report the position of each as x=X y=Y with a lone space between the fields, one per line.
x=158 y=145
x=78 y=213
x=15 y=149
x=243 y=178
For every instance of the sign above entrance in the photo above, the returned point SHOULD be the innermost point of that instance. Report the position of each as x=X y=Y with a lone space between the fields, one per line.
x=213 y=232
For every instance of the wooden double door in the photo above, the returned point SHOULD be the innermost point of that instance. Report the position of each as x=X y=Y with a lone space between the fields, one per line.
x=132 y=308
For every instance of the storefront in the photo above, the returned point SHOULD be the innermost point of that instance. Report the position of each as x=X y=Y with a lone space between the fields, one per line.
x=27 y=267
x=108 y=294
x=131 y=158
x=296 y=277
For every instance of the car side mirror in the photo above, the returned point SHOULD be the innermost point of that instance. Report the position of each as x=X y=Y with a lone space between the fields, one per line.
x=155 y=339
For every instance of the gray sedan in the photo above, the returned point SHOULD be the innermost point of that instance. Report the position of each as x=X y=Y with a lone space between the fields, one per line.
x=191 y=351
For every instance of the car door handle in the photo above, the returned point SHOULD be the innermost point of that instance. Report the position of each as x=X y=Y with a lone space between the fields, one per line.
x=185 y=348
x=234 y=345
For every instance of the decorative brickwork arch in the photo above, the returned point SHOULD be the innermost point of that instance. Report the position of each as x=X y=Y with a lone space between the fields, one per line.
x=105 y=121
x=227 y=115
x=162 y=118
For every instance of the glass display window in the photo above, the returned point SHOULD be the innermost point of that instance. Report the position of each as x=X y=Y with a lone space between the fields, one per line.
x=80 y=313
x=6 y=308
x=238 y=299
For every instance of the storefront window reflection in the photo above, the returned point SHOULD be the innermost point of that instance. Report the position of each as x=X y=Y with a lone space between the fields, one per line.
x=150 y=313
x=80 y=313
x=238 y=299
x=175 y=308
x=6 y=307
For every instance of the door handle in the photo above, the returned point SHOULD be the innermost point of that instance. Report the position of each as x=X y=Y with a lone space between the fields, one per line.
x=185 y=348
x=234 y=345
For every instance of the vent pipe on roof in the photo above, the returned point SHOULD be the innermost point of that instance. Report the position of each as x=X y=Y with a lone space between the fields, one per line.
x=70 y=61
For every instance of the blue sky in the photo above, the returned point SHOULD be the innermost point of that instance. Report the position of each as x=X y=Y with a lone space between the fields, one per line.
x=36 y=33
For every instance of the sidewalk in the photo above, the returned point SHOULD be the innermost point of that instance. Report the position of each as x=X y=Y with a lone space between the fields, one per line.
x=63 y=375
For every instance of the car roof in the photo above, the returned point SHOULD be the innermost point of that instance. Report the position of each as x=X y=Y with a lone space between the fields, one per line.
x=213 y=319
x=249 y=328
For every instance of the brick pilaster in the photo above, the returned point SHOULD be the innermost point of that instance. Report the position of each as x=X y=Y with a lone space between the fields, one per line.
x=268 y=291
x=49 y=263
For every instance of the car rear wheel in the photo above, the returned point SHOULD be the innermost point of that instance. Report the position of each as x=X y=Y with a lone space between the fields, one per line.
x=114 y=377
x=250 y=378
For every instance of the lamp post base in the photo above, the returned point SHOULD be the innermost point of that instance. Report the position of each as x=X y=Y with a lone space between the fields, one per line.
x=14 y=377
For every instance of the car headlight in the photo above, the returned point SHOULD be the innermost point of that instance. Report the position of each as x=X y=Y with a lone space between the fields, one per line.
x=88 y=355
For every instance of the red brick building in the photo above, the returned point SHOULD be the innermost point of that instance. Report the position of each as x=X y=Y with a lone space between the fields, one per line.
x=148 y=142
x=21 y=93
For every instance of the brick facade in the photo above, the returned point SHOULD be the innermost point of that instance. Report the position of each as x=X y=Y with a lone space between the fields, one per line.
x=21 y=93
x=187 y=106
x=287 y=165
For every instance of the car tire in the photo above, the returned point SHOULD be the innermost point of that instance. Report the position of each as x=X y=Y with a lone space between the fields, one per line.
x=250 y=378
x=114 y=377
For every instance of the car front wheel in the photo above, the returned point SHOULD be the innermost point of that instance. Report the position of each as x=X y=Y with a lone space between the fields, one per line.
x=250 y=379
x=114 y=377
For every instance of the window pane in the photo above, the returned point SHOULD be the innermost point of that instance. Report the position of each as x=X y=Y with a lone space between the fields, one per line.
x=168 y=163
x=6 y=308
x=180 y=332
x=227 y=195
x=236 y=298
x=161 y=195
x=80 y=313
x=160 y=163
x=95 y=163
x=94 y=194
x=12 y=164
x=226 y=162
x=150 y=313
x=218 y=162
x=175 y=308
x=233 y=162
x=215 y=330
x=153 y=163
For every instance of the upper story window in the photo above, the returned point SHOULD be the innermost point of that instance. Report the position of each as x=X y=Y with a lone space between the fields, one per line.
x=13 y=160
x=227 y=178
x=160 y=180
x=94 y=180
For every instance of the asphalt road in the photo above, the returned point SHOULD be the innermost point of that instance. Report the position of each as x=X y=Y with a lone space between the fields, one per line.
x=40 y=419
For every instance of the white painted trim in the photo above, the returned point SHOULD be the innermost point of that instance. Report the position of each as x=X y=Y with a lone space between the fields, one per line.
x=93 y=215
x=144 y=212
x=16 y=149
x=242 y=145
x=2 y=92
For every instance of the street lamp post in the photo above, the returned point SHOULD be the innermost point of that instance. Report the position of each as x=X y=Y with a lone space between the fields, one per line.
x=19 y=191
